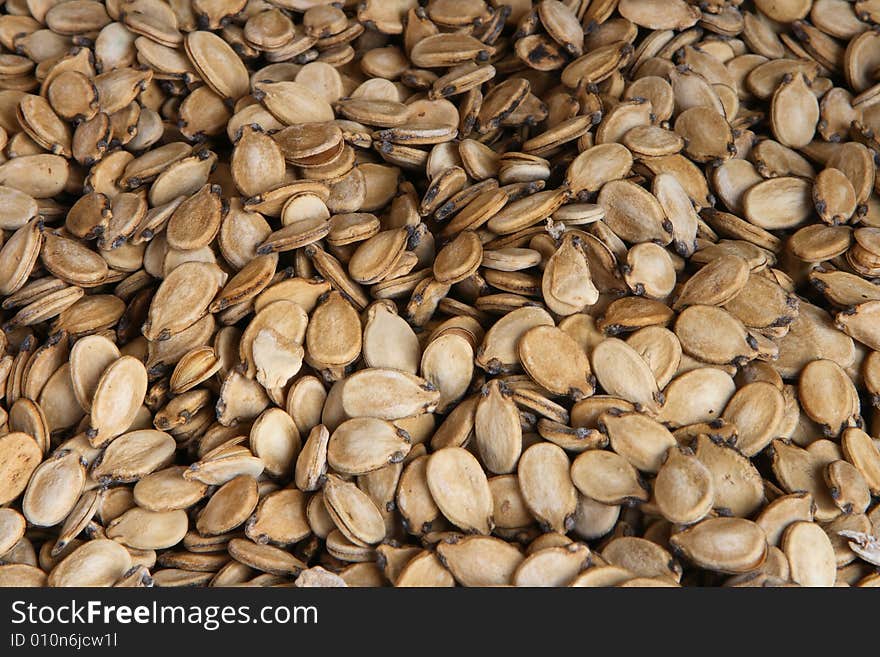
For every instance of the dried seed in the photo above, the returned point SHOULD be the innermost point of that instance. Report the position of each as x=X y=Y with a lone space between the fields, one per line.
x=683 y=488
x=828 y=396
x=730 y=340
x=730 y=545
x=607 y=478
x=275 y=440
x=547 y=487
x=783 y=202
x=460 y=489
x=623 y=373
x=794 y=111
x=20 y=455
x=353 y=512
x=739 y=490
x=118 y=396
x=134 y=455
x=98 y=562
x=53 y=489
x=797 y=469
x=167 y=490
x=639 y=439
x=363 y=445
x=810 y=554
x=149 y=530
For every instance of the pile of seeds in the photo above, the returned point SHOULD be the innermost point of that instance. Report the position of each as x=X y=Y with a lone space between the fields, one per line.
x=453 y=292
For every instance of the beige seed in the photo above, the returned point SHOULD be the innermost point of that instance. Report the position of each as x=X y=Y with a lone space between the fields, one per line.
x=497 y=429
x=229 y=507
x=448 y=364
x=89 y=358
x=783 y=202
x=460 y=489
x=637 y=438
x=623 y=373
x=353 y=513
x=756 y=409
x=480 y=560
x=12 y=526
x=732 y=545
x=19 y=457
x=782 y=512
x=642 y=557
x=810 y=554
x=166 y=490
x=149 y=530
x=546 y=485
x=387 y=394
x=794 y=111
x=363 y=445
x=828 y=396
x=280 y=518
x=275 y=440
x=607 y=478
x=95 y=563
x=134 y=455
x=863 y=453
x=800 y=470
x=683 y=488
x=552 y=566
x=118 y=397
x=738 y=486
x=54 y=488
